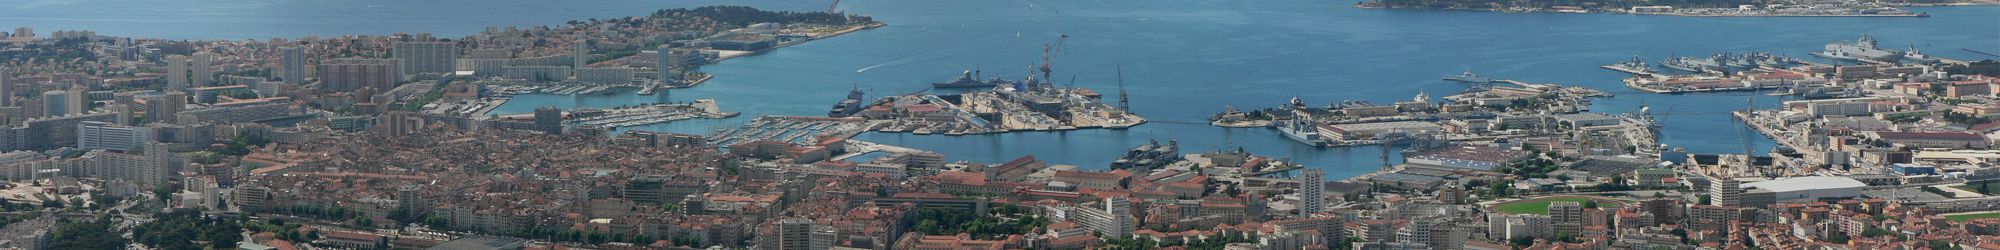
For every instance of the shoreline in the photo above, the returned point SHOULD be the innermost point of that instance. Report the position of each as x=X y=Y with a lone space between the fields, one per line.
x=705 y=77
x=1543 y=11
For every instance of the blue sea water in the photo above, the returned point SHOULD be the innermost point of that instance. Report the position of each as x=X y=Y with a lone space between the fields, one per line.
x=1182 y=60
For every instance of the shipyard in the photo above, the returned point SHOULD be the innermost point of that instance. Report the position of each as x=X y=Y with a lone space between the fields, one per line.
x=1484 y=112
x=993 y=105
x=1028 y=105
x=1757 y=71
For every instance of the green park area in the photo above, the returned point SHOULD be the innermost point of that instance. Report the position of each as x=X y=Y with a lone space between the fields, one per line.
x=1541 y=205
x=1971 y=216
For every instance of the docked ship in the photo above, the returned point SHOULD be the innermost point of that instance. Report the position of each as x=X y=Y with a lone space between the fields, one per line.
x=1917 y=56
x=1756 y=59
x=1861 y=49
x=1767 y=59
x=856 y=100
x=1637 y=64
x=1301 y=127
x=1469 y=77
x=1697 y=64
x=970 y=79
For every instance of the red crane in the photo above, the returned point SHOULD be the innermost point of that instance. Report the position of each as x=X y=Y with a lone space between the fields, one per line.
x=1049 y=53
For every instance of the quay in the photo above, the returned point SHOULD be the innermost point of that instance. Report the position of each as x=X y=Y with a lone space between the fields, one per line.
x=1749 y=119
x=1029 y=105
x=697 y=81
x=797 y=130
x=1620 y=67
x=1483 y=112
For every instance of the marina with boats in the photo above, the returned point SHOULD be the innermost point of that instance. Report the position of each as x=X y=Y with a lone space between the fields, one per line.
x=648 y=114
x=790 y=129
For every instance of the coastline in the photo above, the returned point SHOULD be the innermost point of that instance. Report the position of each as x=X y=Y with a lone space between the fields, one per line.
x=741 y=53
x=725 y=56
x=1539 y=11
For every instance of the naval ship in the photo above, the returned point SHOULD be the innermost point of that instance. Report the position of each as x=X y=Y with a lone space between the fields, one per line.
x=1917 y=56
x=1301 y=128
x=1860 y=49
x=1713 y=63
x=1637 y=65
x=970 y=79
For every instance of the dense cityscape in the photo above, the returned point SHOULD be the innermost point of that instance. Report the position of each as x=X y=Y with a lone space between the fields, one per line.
x=400 y=142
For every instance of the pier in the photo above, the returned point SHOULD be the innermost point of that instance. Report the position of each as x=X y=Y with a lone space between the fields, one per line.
x=790 y=129
x=1040 y=107
x=1620 y=67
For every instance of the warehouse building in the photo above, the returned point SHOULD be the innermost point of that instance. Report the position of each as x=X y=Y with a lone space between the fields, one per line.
x=1799 y=189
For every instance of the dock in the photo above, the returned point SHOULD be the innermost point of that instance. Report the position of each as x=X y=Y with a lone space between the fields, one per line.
x=1693 y=85
x=1044 y=108
x=1633 y=71
x=790 y=129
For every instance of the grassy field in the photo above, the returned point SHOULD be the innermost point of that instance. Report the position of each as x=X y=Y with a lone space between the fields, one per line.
x=1970 y=216
x=1541 y=205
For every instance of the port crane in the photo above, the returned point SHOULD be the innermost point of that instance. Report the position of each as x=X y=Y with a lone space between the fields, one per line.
x=1049 y=53
x=1123 y=105
x=833 y=8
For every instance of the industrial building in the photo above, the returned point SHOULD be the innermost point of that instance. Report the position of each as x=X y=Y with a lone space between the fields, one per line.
x=1481 y=158
x=1799 y=189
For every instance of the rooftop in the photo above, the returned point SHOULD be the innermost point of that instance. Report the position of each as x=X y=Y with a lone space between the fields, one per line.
x=1929 y=135
x=1806 y=183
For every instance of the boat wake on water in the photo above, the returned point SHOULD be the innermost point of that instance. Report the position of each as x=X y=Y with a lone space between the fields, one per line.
x=904 y=60
x=919 y=57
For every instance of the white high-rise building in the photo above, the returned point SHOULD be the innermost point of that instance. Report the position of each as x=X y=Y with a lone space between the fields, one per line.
x=1725 y=191
x=151 y=167
x=123 y=111
x=109 y=136
x=177 y=73
x=165 y=108
x=666 y=62
x=6 y=88
x=427 y=57
x=1113 y=218
x=1312 y=191
x=203 y=69
x=52 y=103
x=294 y=60
x=1567 y=216
x=801 y=234
x=582 y=51
x=74 y=100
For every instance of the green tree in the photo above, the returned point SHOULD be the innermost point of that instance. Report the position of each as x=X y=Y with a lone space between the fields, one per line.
x=363 y=222
x=437 y=222
x=70 y=234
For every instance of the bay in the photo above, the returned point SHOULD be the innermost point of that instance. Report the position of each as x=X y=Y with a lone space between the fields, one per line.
x=1182 y=60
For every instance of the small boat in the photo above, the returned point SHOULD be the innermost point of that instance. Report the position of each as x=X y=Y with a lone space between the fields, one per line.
x=1468 y=77
x=648 y=90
